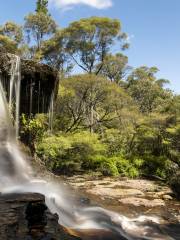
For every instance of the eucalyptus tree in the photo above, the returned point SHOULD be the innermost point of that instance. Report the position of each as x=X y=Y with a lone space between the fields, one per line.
x=89 y=102
x=7 y=45
x=39 y=25
x=53 y=52
x=13 y=31
x=42 y=6
x=11 y=36
x=90 y=40
x=146 y=90
x=115 y=67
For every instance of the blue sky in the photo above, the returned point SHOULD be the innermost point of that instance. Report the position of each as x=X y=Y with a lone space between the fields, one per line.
x=153 y=27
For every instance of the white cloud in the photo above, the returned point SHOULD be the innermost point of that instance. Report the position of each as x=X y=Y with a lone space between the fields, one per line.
x=100 y=4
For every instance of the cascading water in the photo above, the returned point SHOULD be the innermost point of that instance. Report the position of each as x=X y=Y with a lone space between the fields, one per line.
x=16 y=177
x=13 y=170
x=51 y=112
x=14 y=89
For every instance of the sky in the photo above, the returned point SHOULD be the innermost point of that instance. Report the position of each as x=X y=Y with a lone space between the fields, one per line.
x=153 y=27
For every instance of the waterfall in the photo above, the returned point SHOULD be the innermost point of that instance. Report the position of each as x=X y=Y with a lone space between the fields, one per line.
x=14 y=90
x=13 y=168
x=51 y=112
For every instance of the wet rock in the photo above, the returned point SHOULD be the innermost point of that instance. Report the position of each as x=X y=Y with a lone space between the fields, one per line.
x=167 y=197
x=130 y=197
x=166 y=194
x=26 y=217
x=85 y=201
x=141 y=202
x=114 y=192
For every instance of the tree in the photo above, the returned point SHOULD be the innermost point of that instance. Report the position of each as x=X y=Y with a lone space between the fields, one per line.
x=42 y=6
x=90 y=41
x=54 y=53
x=172 y=109
x=146 y=90
x=39 y=25
x=13 y=31
x=89 y=102
x=7 y=45
x=11 y=36
x=115 y=67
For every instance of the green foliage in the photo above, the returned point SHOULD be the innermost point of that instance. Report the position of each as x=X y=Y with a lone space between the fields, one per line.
x=54 y=53
x=12 y=31
x=146 y=90
x=117 y=165
x=11 y=36
x=89 y=102
x=42 y=6
x=89 y=41
x=159 y=166
x=82 y=151
x=174 y=182
x=72 y=152
x=33 y=129
x=115 y=67
x=128 y=167
x=38 y=26
x=7 y=44
x=108 y=168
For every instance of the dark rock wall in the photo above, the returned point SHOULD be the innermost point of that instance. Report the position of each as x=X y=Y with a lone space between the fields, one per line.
x=38 y=83
x=25 y=217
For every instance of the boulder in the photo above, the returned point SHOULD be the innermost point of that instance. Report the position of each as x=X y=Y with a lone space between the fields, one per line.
x=26 y=217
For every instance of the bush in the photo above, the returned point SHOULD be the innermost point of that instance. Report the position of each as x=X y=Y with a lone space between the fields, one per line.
x=175 y=183
x=117 y=140
x=128 y=167
x=159 y=166
x=70 y=152
x=108 y=168
x=83 y=151
x=33 y=129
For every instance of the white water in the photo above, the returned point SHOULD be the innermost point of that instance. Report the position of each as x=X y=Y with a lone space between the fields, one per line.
x=14 y=89
x=51 y=112
x=16 y=176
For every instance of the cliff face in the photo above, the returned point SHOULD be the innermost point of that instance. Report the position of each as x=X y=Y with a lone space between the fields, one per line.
x=38 y=83
x=26 y=217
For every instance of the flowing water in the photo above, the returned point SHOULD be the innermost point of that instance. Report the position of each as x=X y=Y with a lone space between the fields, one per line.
x=51 y=112
x=16 y=176
x=14 y=90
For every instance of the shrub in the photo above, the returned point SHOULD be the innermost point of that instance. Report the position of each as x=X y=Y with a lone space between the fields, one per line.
x=156 y=165
x=70 y=152
x=83 y=151
x=33 y=129
x=108 y=168
x=128 y=167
